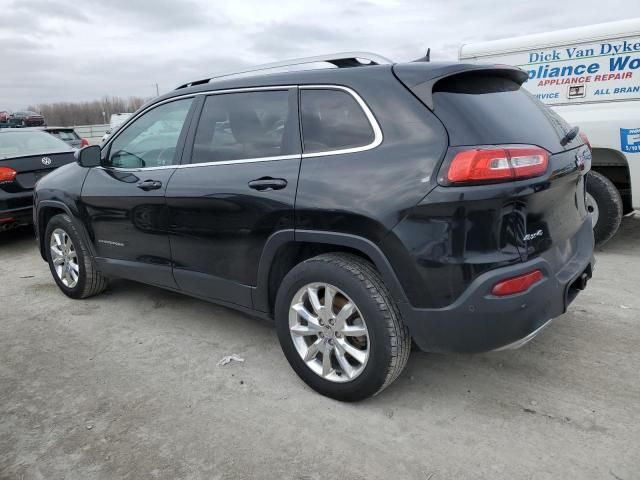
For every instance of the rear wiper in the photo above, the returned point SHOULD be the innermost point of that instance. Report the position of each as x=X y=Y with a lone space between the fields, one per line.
x=570 y=135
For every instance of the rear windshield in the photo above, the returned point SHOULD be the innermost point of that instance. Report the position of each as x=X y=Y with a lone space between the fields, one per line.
x=22 y=144
x=481 y=109
x=65 y=135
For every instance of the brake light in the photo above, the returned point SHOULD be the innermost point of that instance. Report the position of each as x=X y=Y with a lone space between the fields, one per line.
x=483 y=164
x=7 y=174
x=84 y=142
x=585 y=139
x=517 y=284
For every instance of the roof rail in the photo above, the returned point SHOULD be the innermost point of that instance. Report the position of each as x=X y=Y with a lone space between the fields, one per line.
x=340 y=60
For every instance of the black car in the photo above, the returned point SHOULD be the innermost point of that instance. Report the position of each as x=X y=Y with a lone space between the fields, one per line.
x=68 y=135
x=360 y=207
x=25 y=157
x=27 y=119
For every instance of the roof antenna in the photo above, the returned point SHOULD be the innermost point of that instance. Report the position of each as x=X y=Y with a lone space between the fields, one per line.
x=426 y=58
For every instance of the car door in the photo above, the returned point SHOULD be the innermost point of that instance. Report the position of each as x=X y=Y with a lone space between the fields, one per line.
x=237 y=189
x=124 y=198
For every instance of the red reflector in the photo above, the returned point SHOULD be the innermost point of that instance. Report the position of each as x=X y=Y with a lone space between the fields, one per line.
x=498 y=164
x=84 y=142
x=7 y=174
x=7 y=219
x=517 y=284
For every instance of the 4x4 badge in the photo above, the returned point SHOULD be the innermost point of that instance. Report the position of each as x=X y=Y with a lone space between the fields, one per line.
x=582 y=158
x=531 y=236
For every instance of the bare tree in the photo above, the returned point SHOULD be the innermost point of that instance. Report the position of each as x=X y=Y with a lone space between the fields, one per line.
x=86 y=113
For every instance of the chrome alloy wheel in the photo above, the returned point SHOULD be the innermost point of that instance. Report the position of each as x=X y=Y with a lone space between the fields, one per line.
x=64 y=258
x=592 y=208
x=329 y=332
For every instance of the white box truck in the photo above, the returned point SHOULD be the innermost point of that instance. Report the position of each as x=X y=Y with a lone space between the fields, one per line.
x=117 y=119
x=591 y=77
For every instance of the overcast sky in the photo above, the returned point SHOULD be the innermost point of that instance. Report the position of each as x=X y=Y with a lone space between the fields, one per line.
x=59 y=50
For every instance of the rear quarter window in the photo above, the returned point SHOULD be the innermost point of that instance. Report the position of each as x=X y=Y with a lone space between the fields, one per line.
x=332 y=120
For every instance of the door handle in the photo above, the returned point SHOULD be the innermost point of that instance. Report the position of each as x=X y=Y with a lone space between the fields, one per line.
x=150 y=185
x=268 y=183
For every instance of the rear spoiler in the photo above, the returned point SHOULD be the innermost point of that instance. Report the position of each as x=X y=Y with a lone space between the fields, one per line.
x=421 y=77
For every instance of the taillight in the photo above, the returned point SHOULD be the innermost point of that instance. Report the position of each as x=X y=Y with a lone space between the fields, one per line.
x=84 y=142
x=518 y=284
x=486 y=164
x=7 y=174
x=585 y=139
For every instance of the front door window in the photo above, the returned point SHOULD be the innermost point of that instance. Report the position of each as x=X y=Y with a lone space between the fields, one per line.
x=151 y=140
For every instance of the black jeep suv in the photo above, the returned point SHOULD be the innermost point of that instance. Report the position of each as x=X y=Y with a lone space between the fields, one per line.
x=360 y=207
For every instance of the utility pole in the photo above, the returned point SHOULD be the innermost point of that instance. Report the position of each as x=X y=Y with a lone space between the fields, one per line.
x=157 y=90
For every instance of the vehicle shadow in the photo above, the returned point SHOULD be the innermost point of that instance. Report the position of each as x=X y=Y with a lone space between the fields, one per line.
x=561 y=361
x=627 y=239
x=427 y=378
x=18 y=235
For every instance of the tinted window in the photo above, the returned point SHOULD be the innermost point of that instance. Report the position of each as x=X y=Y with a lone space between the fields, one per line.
x=481 y=109
x=17 y=144
x=151 y=140
x=237 y=126
x=332 y=120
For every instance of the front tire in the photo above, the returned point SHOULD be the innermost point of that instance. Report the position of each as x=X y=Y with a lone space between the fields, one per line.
x=70 y=262
x=339 y=328
x=604 y=205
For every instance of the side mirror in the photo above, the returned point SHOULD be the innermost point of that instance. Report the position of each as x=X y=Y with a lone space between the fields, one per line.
x=89 y=156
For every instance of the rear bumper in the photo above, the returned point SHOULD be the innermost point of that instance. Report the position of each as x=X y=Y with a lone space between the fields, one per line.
x=479 y=321
x=18 y=205
x=20 y=216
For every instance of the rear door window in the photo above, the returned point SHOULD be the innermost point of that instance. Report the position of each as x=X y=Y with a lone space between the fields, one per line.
x=246 y=125
x=482 y=109
x=332 y=120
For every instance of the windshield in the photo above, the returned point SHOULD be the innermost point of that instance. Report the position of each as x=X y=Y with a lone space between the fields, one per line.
x=22 y=144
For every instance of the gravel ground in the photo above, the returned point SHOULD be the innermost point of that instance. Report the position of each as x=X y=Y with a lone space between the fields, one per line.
x=125 y=385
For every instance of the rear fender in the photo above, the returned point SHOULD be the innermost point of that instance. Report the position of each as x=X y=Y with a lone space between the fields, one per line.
x=363 y=245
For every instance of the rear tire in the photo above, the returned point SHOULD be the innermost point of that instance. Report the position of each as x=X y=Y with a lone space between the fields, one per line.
x=605 y=204
x=70 y=261
x=387 y=342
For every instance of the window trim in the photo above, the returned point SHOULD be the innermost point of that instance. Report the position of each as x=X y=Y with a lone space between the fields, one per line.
x=377 y=131
x=292 y=91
